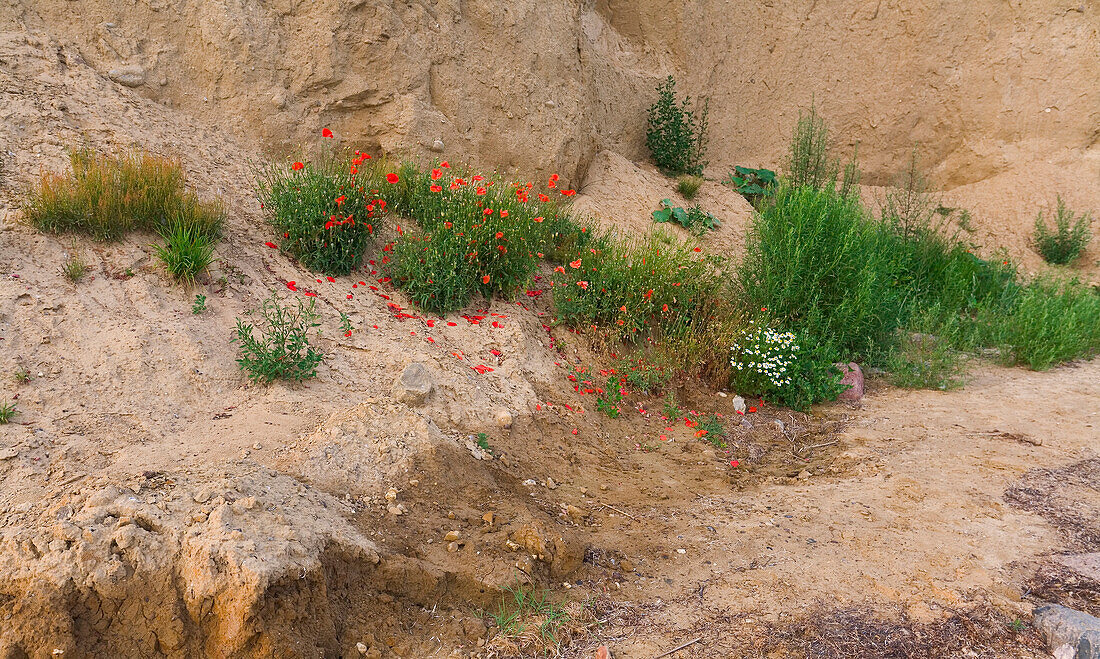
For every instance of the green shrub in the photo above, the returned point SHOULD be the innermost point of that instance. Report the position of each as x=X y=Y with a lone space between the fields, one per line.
x=808 y=161
x=689 y=185
x=695 y=219
x=755 y=185
x=282 y=348
x=107 y=197
x=815 y=262
x=1051 y=322
x=324 y=211
x=199 y=305
x=782 y=367
x=611 y=399
x=712 y=430
x=927 y=355
x=1067 y=240
x=646 y=371
x=477 y=235
x=676 y=136
x=186 y=252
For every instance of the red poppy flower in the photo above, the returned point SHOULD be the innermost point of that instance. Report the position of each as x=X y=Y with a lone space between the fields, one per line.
x=272 y=245
x=500 y=234
x=487 y=211
x=752 y=410
x=296 y=166
x=734 y=463
x=444 y=164
x=447 y=225
x=504 y=213
x=553 y=177
x=575 y=264
x=697 y=249
x=340 y=201
x=537 y=220
x=664 y=307
x=477 y=177
x=353 y=170
x=551 y=185
x=543 y=198
x=292 y=286
x=436 y=188
x=569 y=193
x=559 y=269
x=326 y=133
x=583 y=284
x=310 y=294
x=392 y=178
x=481 y=191
x=485 y=279
x=436 y=173
x=349 y=296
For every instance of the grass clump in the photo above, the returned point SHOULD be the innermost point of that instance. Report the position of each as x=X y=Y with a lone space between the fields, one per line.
x=1069 y=237
x=7 y=412
x=21 y=375
x=695 y=219
x=477 y=234
x=324 y=211
x=676 y=135
x=528 y=620
x=1050 y=322
x=689 y=185
x=74 y=268
x=281 y=349
x=107 y=197
x=187 y=251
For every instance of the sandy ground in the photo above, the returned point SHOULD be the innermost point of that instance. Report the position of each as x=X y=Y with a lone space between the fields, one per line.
x=153 y=503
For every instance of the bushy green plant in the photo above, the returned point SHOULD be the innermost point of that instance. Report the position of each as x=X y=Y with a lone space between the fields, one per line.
x=199 y=305
x=187 y=251
x=107 y=197
x=815 y=261
x=676 y=135
x=324 y=211
x=753 y=184
x=1051 y=322
x=928 y=356
x=775 y=365
x=278 y=346
x=646 y=371
x=634 y=286
x=689 y=185
x=695 y=219
x=610 y=401
x=1070 y=236
x=478 y=235
x=712 y=430
x=808 y=160
x=7 y=412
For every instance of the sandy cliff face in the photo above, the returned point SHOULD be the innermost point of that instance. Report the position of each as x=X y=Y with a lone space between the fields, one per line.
x=981 y=86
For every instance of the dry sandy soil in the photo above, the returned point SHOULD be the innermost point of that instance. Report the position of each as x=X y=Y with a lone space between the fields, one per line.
x=153 y=503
